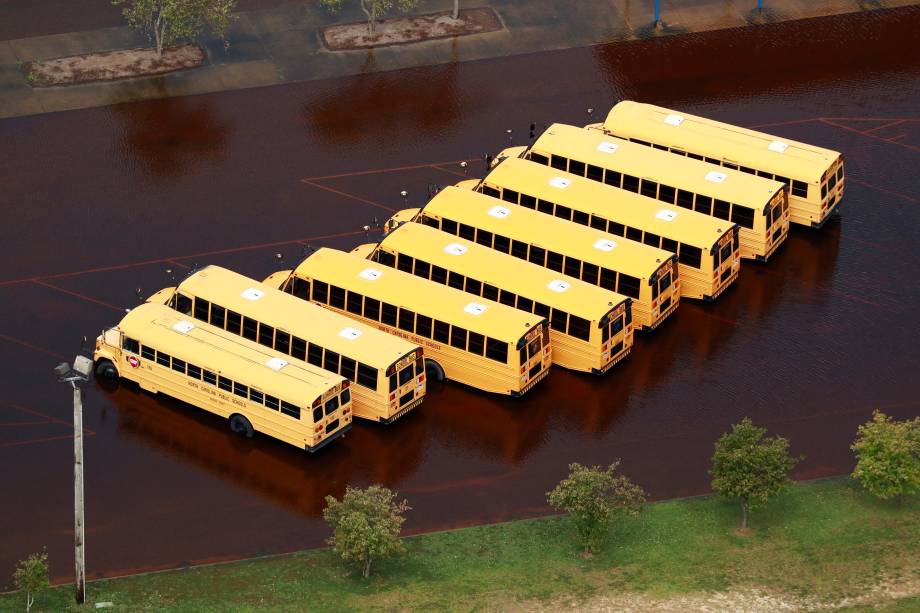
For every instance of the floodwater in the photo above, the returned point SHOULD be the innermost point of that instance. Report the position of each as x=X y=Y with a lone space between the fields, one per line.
x=101 y=205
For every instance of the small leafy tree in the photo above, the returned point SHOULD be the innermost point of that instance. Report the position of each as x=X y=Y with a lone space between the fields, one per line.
x=593 y=497
x=365 y=524
x=888 y=457
x=31 y=576
x=169 y=21
x=749 y=467
x=373 y=9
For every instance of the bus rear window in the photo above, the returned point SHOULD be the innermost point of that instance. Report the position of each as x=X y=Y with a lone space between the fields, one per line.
x=406 y=374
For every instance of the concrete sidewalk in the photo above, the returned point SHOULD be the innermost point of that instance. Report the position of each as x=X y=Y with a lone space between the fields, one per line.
x=282 y=45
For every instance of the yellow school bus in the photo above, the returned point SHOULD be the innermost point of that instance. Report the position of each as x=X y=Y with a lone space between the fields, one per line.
x=707 y=249
x=757 y=204
x=382 y=367
x=645 y=274
x=589 y=327
x=254 y=388
x=813 y=175
x=481 y=343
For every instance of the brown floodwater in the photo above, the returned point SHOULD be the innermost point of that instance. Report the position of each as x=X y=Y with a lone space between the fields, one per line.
x=101 y=205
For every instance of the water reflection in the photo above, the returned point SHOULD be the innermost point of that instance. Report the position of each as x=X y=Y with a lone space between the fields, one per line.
x=172 y=136
x=279 y=473
x=388 y=106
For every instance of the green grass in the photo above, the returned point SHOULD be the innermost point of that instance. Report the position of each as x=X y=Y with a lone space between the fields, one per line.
x=822 y=539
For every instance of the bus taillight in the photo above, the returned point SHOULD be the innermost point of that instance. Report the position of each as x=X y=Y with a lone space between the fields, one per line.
x=316 y=403
x=318 y=428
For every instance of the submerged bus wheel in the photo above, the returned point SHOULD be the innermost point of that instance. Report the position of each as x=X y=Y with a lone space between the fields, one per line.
x=106 y=370
x=433 y=371
x=241 y=425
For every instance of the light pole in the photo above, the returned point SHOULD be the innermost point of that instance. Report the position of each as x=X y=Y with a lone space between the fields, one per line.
x=77 y=376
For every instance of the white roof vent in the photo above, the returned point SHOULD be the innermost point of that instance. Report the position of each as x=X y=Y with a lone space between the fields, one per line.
x=778 y=146
x=605 y=244
x=666 y=215
x=608 y=147
x=252 y=294
x=474 y=308
x=455 y=249
x=350 y=333
x=560 y=182
x=183 y=327
x=371 y=274
x=499 y=211
x=276 y=364
x=673 y=120
x=715 y=177
x=558 y=285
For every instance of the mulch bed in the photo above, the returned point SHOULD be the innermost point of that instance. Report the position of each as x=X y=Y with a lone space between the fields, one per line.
x=111 y=65
x=409 y=29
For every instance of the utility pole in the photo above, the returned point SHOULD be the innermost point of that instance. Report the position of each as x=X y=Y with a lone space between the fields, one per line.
x=77 y=376
x=78 y=532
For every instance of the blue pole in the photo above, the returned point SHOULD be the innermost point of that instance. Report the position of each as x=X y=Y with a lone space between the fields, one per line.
x=759 y=5
x=658 y=12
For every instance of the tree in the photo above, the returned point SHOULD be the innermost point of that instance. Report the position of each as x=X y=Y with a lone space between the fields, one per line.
x=373 y=9
x=593 y=497
x=31 y=576
x=169 y=21
x=365 y=524
x=888 y=456
x=749 y=467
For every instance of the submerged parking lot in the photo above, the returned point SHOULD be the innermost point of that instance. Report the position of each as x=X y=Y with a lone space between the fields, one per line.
x=103 y=205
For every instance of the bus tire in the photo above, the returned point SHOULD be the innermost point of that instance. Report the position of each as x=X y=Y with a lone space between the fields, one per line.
x=240 y=425
x=434 y=371
x=106 y=370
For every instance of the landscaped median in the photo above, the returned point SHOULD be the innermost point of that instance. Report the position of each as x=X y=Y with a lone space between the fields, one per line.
x=822 y=543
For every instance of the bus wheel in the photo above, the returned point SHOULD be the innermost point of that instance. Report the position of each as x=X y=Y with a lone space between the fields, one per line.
x=106 y=370
x=241 y=425
x=434 y=371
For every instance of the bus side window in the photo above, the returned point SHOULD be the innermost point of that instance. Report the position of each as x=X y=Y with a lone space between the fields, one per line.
x=721 y=209
x=541 y=309
x=367 y=376
x=129 y=344
x=148 y=353
x=320 y=291
x=525 y=304
x=422 y=269
x=301 y=288
x=558 y=162
x=386 y=258
x=349 y=368
x=608 y=279
x=579 y=328
x=201 y=309
x=490 y=292
x=441 y=331
x=389 y=314
x=490 y=191
x=509 y=195
x=690 y=255
x=528 y=201
x=502 y=243
x=299 y=348
x=477 y=343
x=315 y=355
x=183 y=304
x=331 y=361
x=449 y=226
x=372 y=308
x=800 y=189
x=539 y=159
x=234 y=322
x=458 y=337
x=473 y=286
x=423 y=325
x=628 y=286
x=497 y=350
x=218 y=316
x=557 y=320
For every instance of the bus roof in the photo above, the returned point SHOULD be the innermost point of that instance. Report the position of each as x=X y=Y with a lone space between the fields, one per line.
x=608 y=202
x=537 y=283
x=595 y=147
x=523 y=224
x=229 y=355
x=402 y=289
x=720 y=140
x=301 y=318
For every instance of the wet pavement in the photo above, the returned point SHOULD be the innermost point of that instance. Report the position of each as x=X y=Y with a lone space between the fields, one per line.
x=100 y=203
